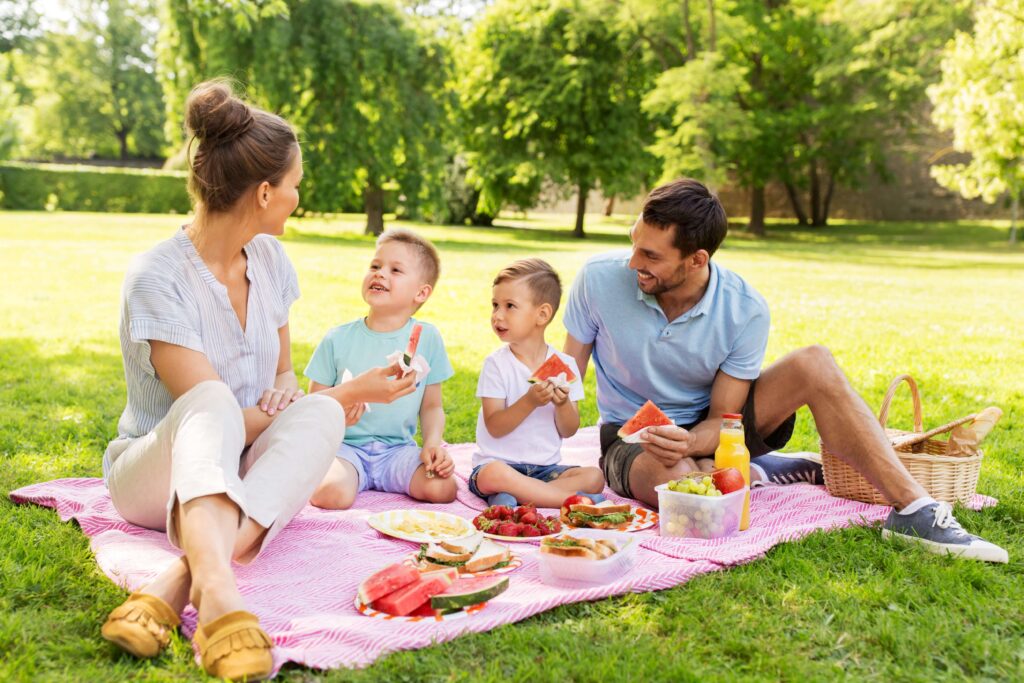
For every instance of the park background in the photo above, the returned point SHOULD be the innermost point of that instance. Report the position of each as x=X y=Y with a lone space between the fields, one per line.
x=868 y=153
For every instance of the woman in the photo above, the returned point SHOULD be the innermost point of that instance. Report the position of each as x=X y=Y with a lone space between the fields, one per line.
x=217 y=444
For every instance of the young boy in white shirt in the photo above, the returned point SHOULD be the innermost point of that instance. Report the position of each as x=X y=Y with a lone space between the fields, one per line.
x=520 y=426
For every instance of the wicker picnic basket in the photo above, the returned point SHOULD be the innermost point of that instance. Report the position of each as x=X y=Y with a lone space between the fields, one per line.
x=946 y=478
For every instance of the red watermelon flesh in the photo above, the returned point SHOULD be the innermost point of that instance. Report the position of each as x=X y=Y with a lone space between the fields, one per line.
x=404 y=600
x=552 y=367
x=414 y=341
x=649 y=415
x=387 y=580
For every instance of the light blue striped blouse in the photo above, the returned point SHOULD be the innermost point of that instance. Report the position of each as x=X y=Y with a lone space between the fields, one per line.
x=170 y=295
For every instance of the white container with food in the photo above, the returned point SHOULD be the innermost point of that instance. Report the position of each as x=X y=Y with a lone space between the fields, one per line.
x=690 y=515
x=570 y=572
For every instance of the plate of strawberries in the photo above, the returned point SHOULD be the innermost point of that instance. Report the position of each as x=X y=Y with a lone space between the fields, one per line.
x=522 y=523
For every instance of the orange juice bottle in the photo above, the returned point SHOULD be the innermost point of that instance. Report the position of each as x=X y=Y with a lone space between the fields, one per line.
x=732 y=452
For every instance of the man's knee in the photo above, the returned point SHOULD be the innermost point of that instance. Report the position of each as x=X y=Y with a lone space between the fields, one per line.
x=818 y=367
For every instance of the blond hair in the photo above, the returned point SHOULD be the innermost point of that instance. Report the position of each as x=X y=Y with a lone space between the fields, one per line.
x=426 y=253
x=540 y=278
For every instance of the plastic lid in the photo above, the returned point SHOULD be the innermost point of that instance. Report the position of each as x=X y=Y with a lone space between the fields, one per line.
x=731 y=416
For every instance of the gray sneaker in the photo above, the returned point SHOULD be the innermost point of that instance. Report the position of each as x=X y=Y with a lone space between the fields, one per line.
x=934 y=528
x=789 y=468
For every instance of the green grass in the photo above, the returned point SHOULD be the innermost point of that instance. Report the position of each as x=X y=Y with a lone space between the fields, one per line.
x=942 y=302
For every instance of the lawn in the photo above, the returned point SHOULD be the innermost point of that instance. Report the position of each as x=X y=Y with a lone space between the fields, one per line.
x=942 y=302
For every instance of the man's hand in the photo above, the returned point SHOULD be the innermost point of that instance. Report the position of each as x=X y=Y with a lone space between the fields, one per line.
x=667 y=444
x=560 y=395
x=541 y=394
x=436 y=461
x=276 y=400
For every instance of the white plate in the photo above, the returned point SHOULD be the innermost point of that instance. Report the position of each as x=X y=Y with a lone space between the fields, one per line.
x=388 y=523
x=520 y=539
x=642 y=519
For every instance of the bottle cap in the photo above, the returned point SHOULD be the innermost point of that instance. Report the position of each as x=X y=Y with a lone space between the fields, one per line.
x=731 y=416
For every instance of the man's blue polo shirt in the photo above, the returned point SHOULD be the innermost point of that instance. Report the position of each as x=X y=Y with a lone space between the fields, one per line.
x=639 y=354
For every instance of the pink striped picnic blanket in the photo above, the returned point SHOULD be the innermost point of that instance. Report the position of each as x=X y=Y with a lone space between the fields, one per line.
x=303 y=586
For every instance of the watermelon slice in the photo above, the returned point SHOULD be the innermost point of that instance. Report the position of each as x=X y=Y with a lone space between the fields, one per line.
x=408 y=598
x=466 y=592
x=649 y=415
x=552 y=367
x=426 y=610
x=414 y=341
x=387 y=580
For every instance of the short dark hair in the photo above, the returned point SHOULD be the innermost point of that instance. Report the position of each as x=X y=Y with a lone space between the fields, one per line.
x=540 y=278
x=692 y=209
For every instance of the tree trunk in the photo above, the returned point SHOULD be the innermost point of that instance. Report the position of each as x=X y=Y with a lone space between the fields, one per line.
x=691 y=46
x=828 y=198
x=122 y=139
x=756 y=224
x=816 y=219
x=373 y=204
x=609 y=207
x=1014 y=206
x=798 y=207
x=712 y=31
x=581 y=209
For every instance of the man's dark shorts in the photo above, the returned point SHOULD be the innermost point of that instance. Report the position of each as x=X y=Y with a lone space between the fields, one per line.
x=617 y=456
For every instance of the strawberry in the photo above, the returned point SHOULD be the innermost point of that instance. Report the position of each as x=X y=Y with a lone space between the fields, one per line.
x=530 y=531
x=507 y=529
x=502 y=512
x=492 y=512
x=482 y=523
x=522 y=510
x=528 y=517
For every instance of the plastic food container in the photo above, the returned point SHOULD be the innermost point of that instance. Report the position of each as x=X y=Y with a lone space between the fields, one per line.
x=692 y=516
x=570 y=572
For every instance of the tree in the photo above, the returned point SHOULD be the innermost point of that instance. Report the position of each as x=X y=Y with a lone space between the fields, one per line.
x=980 y=98
x=550 y=94
x=97 y=89
x=362 y=83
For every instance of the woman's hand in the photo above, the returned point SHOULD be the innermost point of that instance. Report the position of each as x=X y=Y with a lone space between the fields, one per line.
x=376 y=386
x=275 y=400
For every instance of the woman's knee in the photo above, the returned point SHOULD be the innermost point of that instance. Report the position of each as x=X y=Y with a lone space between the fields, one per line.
x=211 y=396
x=326 y=413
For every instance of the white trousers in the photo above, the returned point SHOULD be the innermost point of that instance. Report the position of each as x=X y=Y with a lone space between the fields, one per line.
x=198 y=449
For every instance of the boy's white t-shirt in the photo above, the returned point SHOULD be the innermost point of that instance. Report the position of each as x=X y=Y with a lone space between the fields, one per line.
x=536 y=440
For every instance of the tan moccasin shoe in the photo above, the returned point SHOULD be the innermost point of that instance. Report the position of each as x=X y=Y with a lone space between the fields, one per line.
x=234 y=646
x=141 y=625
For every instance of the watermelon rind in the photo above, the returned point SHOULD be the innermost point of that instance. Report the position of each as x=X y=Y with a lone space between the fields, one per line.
x=479 y=590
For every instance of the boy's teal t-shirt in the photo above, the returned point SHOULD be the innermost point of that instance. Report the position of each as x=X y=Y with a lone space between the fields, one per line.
x=357 y=348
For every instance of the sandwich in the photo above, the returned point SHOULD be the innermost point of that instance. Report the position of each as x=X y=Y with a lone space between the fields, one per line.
x=584 y=548
x=603 y=515
x=467 y=555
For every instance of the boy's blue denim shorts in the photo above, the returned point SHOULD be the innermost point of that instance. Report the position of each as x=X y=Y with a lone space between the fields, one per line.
x=539 y=472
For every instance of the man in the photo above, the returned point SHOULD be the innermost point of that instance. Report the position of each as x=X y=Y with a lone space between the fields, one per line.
x=666 y=323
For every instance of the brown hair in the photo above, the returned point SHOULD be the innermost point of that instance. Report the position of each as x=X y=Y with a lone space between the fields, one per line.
x=240 y=146
x=540 y=278
x=425 y=252
x=692 y=209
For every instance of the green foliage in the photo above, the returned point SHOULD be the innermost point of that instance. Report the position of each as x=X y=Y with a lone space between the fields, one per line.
x=96 y=88
x=981 y=100
x=361 y=81
x=89 y=188
x=550 y=92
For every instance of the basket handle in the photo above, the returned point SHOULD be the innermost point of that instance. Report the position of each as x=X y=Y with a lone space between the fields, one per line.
x=883 y=413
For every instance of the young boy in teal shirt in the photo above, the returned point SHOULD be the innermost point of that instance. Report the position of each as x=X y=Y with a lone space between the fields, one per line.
x=379 y=451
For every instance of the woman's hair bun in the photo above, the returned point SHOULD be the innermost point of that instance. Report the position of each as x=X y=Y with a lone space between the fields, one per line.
x=214 y=115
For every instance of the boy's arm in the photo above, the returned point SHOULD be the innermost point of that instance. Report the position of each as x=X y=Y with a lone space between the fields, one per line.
x=500 y=421
x=567 y=414
x=432 y=416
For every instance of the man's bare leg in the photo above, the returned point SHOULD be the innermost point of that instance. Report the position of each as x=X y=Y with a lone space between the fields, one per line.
x=811 y=377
